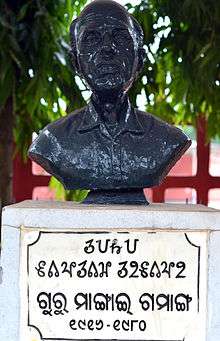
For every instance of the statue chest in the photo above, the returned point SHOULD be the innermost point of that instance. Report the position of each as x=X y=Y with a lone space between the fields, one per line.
x=95 y=161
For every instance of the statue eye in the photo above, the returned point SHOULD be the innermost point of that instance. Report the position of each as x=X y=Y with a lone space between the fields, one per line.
x=92 y=37
x=122 y=36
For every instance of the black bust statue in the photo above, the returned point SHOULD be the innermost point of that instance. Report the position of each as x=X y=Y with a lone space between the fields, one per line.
x=108 y=145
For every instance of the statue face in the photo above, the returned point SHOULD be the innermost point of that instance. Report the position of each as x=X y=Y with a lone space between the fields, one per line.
x=107 y=52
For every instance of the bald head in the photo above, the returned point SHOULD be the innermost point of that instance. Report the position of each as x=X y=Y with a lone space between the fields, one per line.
x=110 y=9
x=106 y=8
x=105 y=30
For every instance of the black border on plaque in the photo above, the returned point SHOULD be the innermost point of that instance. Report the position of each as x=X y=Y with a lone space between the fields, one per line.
x=105 y=232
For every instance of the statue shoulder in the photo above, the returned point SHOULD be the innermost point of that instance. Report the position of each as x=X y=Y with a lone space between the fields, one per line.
x=46 y=149
x=161 y=130
x=165 y=144
x=66 y=125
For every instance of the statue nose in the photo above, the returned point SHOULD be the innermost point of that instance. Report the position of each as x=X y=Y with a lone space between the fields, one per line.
x=108 y=48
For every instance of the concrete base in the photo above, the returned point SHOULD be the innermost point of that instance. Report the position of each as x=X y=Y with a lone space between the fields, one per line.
x=35 y=216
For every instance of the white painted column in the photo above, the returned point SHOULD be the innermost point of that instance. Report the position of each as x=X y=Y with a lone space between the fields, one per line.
x=213 y=327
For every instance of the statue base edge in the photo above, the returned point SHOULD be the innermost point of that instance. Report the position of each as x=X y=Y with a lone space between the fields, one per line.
x=130 y=196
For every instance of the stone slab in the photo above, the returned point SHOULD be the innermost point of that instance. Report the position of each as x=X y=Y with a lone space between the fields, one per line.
x=164 y=216
x=43 y=296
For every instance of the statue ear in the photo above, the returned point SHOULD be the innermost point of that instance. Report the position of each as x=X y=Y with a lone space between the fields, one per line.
x=141 y=59
x=74 y=60
x=141 y=51
x=73 y=51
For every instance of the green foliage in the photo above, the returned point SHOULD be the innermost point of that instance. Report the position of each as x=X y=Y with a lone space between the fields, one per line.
x=61 y=193
x=35 y=69
x=184 y=71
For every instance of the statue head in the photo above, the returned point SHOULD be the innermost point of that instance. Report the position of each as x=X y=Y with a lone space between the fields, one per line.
x=107 y=46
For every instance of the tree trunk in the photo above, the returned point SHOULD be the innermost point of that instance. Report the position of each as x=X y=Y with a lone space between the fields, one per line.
x=6 y=153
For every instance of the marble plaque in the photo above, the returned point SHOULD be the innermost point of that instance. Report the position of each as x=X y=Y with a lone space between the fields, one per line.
x=113 y=285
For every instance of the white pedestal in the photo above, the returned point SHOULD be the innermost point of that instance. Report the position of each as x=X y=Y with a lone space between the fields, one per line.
x=75 y=272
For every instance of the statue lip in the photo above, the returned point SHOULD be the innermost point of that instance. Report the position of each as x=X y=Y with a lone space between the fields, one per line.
x=107 y=68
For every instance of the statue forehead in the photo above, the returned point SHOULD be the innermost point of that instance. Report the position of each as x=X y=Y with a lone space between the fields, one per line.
x=100 y=21
x=106 y=8
x=101 y=14
x=105 y=11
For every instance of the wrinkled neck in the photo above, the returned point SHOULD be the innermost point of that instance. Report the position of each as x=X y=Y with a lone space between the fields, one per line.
x=111 y=108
